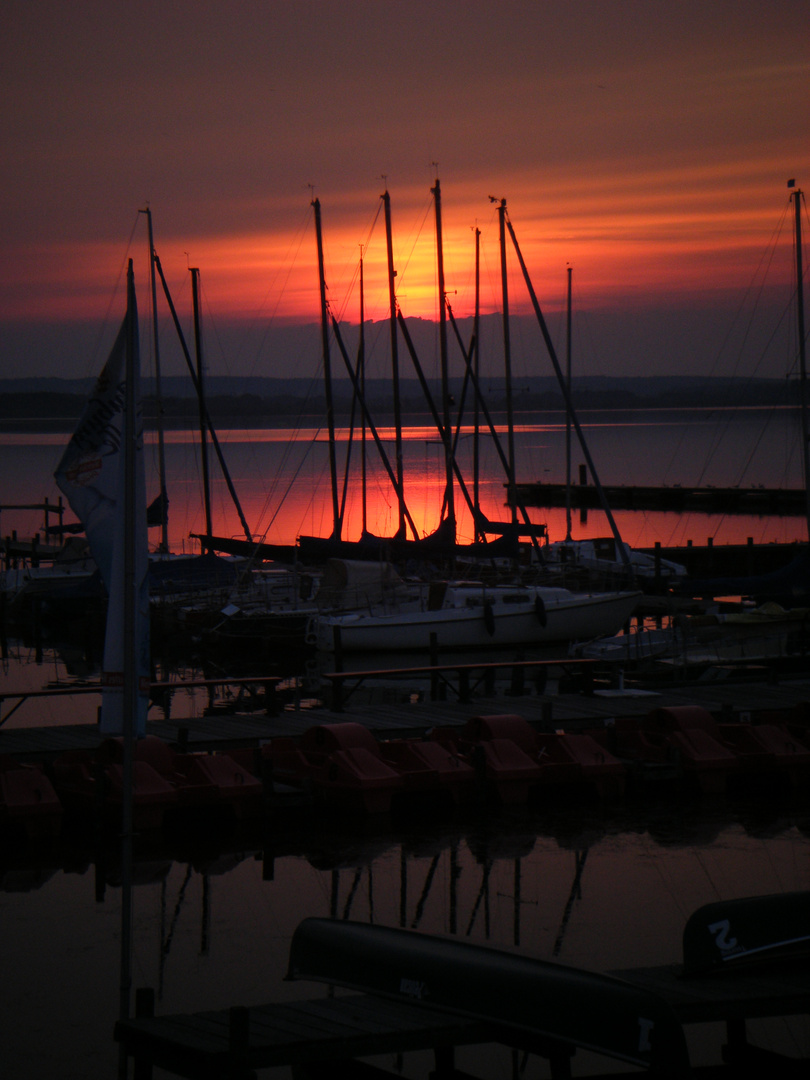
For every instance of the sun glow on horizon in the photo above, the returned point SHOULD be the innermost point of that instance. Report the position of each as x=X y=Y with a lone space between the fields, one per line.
x=632 y=244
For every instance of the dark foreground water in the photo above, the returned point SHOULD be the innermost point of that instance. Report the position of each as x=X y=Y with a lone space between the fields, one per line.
x=214 y=915
x=600 y=889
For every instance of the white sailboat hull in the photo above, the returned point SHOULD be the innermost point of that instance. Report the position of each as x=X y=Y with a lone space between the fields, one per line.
x=481 y=619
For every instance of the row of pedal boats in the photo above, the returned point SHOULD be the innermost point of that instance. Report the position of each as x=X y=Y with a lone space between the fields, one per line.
x=498 y=759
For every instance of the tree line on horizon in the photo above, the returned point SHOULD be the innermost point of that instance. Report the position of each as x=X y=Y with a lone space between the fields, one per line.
x=588 y=394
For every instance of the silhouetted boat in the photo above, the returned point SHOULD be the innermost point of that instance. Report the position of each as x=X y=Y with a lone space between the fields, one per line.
x=474 y=615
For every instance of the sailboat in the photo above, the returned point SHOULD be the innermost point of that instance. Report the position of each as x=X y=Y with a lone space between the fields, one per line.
x=464 y=614
x=607 y=556
x=442 y=544
x=790 y=586
x=461 y=615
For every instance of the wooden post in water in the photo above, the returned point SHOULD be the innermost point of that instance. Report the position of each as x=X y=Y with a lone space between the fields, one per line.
x=144 y=1009
x=434 y=663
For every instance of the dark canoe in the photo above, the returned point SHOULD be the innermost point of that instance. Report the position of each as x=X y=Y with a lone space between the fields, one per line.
x=525 y=999
x=757 y=929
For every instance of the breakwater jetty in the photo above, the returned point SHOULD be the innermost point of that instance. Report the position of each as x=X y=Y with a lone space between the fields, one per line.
x=778 y=502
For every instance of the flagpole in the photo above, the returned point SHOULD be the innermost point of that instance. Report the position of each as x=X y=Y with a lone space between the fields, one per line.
x=130 y=703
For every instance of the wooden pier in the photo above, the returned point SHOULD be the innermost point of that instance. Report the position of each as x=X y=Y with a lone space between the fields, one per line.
x=547 y=693
x=427 y=993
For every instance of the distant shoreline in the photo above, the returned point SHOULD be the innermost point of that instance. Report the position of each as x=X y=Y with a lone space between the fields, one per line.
x=267 y=420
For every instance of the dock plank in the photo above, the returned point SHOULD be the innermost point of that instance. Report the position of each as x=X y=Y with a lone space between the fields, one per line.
x=344 y=1027
x=397 y=719
x=293 y=1033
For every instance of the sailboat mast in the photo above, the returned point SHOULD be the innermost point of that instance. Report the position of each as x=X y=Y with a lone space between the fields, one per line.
x=129 y=711
x=541 y=322
x=195 y=299
x=211 y=429
x=327 y=373
x=448 y=446
x=797 y=199
x=164 y=497
x=568 y=414
x=507 y=359
x=392 y=301
x=361 y=366
x=478 y=533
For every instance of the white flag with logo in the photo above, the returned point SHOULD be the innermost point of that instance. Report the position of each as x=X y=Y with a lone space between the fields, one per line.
x=92 y=475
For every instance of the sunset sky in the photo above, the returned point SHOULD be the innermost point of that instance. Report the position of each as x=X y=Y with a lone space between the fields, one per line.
x=646 y=144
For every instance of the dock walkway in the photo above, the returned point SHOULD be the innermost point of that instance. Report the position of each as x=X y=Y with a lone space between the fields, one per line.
x=421 y=992
x=388 y=713
x=326 y=1033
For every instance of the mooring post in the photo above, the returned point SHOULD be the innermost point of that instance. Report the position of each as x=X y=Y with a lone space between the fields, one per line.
x=144 y=1010
x=463 y=685
x=518 y=681
x=337 y=694
x=444 y=1057
x=479 y=762
x=337 y=640
x=270 y=700
x=434 y=663
x=546 y=712
x=265 y=771
x=238 y=1029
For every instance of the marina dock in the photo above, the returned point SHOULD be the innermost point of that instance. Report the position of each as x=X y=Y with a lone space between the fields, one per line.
x=451 y=694
x=438 y=993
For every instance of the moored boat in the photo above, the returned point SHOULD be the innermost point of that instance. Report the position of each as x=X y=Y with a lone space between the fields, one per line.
x=28 y=803
x=714 y=757
x=601 y=555
x=473 y=615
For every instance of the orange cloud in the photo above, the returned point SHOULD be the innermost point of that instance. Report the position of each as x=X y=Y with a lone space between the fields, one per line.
x=633 y=238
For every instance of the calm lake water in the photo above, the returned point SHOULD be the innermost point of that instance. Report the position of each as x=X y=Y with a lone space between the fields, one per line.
x=213 y=915
x=213 y=921
x=281 y=474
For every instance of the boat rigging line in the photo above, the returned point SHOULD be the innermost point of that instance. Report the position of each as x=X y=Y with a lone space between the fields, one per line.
x=198 y=390
x=567 y=397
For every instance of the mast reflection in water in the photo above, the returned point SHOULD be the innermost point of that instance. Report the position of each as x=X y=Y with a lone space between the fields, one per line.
x=214 y=916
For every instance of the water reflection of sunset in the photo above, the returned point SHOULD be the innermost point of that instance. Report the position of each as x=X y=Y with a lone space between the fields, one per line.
x=282 y=477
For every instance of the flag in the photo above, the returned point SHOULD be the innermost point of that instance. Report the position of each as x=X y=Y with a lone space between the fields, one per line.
x=93 y=475
x=89 y=474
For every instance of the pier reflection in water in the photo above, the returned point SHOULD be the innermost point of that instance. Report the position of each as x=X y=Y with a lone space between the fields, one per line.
x=214 y=915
